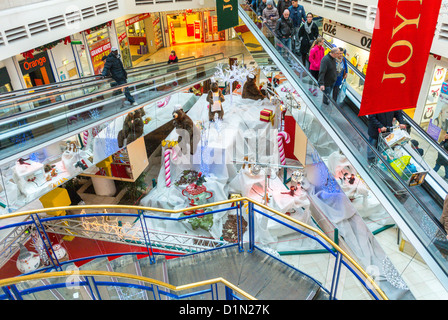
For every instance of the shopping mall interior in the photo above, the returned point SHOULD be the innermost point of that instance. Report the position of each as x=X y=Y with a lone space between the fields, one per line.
x=228 y=175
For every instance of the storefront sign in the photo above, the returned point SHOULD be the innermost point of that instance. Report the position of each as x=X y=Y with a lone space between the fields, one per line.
x=97 y=54
x=135 y=19
x=227 y=12
x=29 y=65
x=355 y=37
x=121 y=37
x=402 y=38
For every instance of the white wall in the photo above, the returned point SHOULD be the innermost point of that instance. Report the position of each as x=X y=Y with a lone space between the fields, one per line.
x=33 y=25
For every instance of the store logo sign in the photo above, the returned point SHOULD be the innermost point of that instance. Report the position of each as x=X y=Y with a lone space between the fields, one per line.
x=100 y=50
x=32 y=64
x=135 y=19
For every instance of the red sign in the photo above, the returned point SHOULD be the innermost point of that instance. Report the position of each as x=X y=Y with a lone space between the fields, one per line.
x=135 y=19
x=121 y=37
x=403 y=35
x=97 y=54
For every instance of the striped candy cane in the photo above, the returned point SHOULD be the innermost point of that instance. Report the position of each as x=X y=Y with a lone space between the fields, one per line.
x=168 y=154
x=85 y=137
x=281 y=150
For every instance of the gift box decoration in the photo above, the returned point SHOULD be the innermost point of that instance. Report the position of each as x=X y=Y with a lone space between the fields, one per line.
x=266 y=115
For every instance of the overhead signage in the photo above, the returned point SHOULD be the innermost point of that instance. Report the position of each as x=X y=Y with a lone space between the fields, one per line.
x=401 y=43
x=135 y=19
x=356 y=37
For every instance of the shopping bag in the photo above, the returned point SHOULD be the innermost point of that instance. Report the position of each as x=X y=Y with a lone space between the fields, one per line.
x=400 y=164
x=342 y=92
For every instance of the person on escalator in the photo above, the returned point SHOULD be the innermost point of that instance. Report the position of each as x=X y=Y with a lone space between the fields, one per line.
x=261 y=6
x=381 y=122
x=328 y=73
x=441 y=160
x=308 y=33
x=114 y=68
x=284 y=30
x=282 y=5
x=270 y=16
x=317 y=53
x=342 y=71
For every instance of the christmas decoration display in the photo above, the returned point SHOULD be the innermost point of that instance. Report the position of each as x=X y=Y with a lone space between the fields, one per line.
x=185 y=127
x=281 y=150
x=132 y=127
x=98 y=27
x=251 y=90
x=236 y=73
x=163 y=102
x=168 y=155
x=27 y=261
x=267 y=115
x=215 y=99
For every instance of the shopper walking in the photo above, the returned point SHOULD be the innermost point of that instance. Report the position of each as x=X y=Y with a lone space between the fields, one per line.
x=270 y=15
x=328 y=73
x=342 y=71
x=284 y=30
x=114 y=68
x=381 y=122
x=441 y=160
x=282 y=5
x=308 y=33
x=316 y=55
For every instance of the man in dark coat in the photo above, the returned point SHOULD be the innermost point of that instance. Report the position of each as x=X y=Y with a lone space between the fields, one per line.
x=381 y=122
x=327 y=73
x=441 y=160
x=114 y=68
x=284 y=30
x=282 y=5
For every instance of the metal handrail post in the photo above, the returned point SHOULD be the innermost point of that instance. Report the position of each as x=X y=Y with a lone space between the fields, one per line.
x=48 y=250
x=239 y=221
x=336 y=274
x=251 y=225
x=146 y=237
x=8 y=293
x=229 y=293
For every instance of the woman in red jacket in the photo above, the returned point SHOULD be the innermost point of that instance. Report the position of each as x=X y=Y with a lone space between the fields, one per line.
x=317 y=52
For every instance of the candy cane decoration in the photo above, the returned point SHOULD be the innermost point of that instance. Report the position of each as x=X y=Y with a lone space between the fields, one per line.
x=163 y=102
x=85 y=137
x=168 y=154
x=282 y=135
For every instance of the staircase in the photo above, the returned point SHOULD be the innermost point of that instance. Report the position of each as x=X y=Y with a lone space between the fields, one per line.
x=257 y=273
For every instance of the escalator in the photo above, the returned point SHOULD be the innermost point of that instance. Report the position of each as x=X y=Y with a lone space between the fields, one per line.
x=415 y=210
x=435 y=188
x=82 y=80
x=32 y=129
x=17 y=102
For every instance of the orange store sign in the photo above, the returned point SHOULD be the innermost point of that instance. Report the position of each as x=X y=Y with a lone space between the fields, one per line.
x=27 y=65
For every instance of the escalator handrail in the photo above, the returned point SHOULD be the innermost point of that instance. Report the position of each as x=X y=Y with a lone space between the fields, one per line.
x=95 y=79
x=374 y=150
x=406 y=117
x=71 y=81
x=89 y=96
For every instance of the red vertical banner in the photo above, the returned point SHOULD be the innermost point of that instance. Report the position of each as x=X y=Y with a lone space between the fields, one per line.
x=401 y=42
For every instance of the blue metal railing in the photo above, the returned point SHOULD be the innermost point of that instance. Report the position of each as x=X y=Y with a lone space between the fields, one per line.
x=253 y=208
